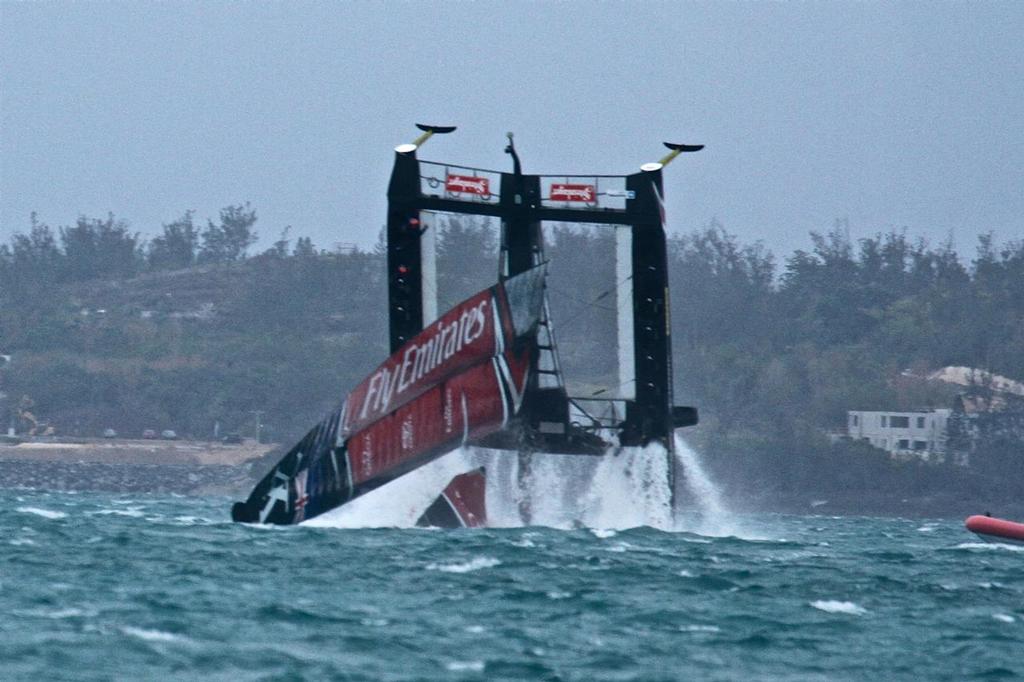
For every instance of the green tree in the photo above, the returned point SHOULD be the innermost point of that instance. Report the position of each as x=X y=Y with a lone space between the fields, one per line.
x=176 y=248
x=230 y=240
x=95 y=248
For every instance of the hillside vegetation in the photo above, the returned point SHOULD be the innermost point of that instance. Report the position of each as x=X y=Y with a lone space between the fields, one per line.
x=188 y=331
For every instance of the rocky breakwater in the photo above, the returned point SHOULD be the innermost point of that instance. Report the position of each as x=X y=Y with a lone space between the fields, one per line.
x=183 y=467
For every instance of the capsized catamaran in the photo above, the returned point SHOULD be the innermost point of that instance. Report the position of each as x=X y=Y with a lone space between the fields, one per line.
x=458 y=381
x=487 y=372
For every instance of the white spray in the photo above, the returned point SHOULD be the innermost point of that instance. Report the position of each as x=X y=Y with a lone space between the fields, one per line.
x=706 y=498
x=625 y=488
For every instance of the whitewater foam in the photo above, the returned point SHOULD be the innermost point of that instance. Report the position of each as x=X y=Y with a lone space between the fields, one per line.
x=152 y=635
x=45 y=513
x=846 y=607
x=466 y=567
x=58 y=614
x=624 y=488
x=134 y=513
x=991 y=546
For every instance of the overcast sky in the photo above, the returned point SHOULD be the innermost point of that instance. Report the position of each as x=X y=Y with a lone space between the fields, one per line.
x=891 y=115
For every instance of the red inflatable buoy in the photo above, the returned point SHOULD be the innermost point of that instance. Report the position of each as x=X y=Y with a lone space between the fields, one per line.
x=997 y=530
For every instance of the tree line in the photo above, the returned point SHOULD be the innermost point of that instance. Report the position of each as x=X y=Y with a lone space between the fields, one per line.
x=773 y=351
x=107 y=248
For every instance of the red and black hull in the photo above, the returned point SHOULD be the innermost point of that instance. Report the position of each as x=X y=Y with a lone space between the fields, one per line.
x=457 y=382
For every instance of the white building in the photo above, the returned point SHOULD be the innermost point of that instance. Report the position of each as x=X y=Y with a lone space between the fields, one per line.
x=921 y=433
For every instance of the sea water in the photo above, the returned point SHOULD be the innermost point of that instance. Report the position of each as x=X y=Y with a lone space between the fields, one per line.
x=608 y=586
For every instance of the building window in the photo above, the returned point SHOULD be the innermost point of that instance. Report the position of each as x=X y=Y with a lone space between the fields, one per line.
x=920 y=422
x=899 y=422
x=904 y=444
x=883 y=421
x=920 y=445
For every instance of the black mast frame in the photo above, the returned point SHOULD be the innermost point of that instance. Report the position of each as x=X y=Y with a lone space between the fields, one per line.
x=651 y=415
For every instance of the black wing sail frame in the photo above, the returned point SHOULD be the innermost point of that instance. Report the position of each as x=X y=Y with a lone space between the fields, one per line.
x=552 y=421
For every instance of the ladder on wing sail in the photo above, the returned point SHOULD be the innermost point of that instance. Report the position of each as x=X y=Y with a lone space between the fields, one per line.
x=549 y=371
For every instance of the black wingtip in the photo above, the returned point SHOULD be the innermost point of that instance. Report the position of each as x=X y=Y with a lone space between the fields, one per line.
x=437 y=130
x=684 y=147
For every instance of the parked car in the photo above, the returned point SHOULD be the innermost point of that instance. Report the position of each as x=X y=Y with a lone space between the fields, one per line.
x=168 y=434
x=232 y=439
x=149 y=434
x=109 y=433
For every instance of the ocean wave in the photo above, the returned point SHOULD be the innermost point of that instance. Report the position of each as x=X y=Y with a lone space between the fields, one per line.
x=991 y=546
x=619 y=547
x=471 y=565
x=465 y=666
x=57 y=614
x=152 y=635
x=696 y=540
x=833 y=606
x=990 y=585
x=134 y=513
x=45 y=513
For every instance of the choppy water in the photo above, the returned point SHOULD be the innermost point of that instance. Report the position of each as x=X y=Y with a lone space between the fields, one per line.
x=100 y=587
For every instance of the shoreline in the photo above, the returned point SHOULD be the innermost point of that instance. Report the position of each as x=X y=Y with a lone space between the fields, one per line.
x=198 y=468
x=184 y=467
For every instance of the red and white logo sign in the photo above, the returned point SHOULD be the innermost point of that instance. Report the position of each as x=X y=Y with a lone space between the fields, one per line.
x=573 y=192
x=468 y=184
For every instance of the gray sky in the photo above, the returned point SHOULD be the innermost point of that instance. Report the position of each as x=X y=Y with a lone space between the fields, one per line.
x=888 y=114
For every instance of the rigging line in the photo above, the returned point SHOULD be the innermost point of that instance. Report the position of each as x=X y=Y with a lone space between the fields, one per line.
x=592 y=303
x=599 y=296
x=566 y=294
x=584 y=309
x=586 y=304
x=609 y=388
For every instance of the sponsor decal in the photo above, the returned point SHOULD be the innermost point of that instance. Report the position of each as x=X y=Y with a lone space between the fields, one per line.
x=408 y=433
x=367 y=457
x=427 y=354
x=449 y=413
x=561 y=191
x=626 y=193
x=467 y=184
